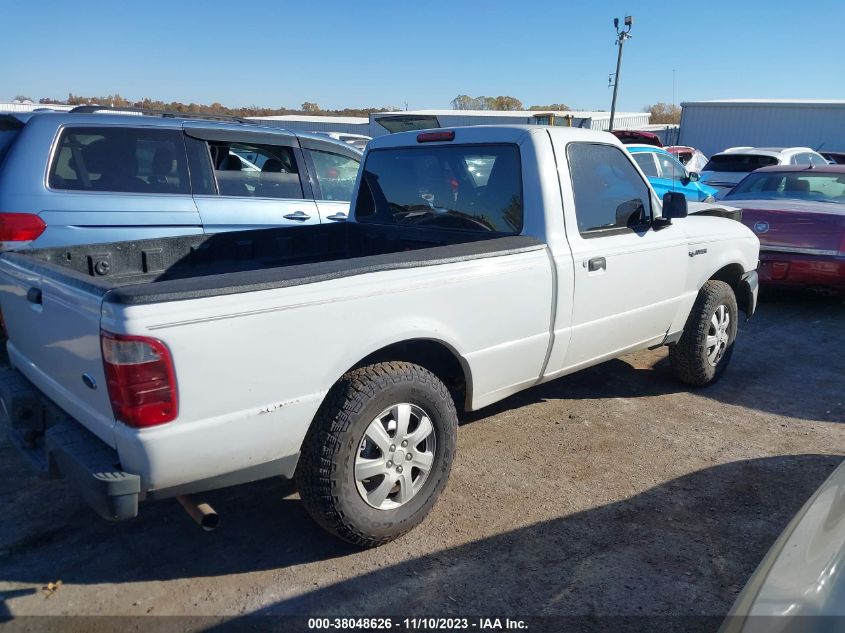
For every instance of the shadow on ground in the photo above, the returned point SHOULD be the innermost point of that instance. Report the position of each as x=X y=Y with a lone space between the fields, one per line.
x=788 y=361
x=703 y=532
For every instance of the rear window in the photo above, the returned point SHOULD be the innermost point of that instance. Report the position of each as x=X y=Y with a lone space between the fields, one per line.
x=475 y=187
x=126 y=160
x=739 y=162
x=9 y=129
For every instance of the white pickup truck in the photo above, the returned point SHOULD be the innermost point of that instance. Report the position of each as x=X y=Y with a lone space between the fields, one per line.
x=480 y=261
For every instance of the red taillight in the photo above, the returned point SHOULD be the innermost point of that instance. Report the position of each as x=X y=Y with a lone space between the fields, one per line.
x=140 y=379
x=20 y=227
x=431 y=137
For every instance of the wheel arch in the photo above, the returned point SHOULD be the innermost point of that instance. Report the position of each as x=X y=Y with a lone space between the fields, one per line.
x=435 y=355
x=732 y=274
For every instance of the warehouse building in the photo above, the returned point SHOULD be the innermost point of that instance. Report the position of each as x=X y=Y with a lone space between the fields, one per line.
x=381 y=123
x=713 y=126
x=306 y=123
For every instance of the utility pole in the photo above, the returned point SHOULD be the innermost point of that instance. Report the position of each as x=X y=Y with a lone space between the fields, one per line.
x=621 y=36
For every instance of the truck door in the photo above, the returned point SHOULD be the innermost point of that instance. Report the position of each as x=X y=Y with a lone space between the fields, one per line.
x=245 y=180
x=629 y=277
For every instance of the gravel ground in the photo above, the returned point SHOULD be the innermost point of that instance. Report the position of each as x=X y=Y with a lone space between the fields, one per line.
x=612 y=491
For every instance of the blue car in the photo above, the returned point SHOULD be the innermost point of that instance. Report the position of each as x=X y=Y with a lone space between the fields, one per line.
x=666 y=173
x=88 y=176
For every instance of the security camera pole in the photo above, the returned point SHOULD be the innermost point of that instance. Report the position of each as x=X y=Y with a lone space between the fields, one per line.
x=620 y=42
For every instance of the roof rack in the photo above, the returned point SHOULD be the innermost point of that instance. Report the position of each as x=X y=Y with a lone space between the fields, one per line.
x=166 y=114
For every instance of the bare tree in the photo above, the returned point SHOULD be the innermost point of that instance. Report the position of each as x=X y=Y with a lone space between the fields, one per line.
x=664 y=113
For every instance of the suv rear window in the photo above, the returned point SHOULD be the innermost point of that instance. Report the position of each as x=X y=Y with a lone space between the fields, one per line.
x=476 y=187
x=739 y=162
x=9 y=129
x=127 y=160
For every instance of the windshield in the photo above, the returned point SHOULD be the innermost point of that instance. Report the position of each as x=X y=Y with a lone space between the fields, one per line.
x=739 y=162
x=475 y=187
x=824 y=187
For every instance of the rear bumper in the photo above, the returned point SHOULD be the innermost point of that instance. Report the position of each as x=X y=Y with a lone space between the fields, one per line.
x=802 y=270
x=58 y=446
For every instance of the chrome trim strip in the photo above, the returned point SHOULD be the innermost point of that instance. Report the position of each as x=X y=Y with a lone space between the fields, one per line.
x=803 y=251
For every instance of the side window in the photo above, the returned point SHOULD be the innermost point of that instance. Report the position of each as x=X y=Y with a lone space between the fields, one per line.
x=335 y=175
x=646 y=162
x=255 y=171
x=801 y=159
x=670 y=168
x=126 y=160
x=817 y=161
x=609 y=192
x=199 y=162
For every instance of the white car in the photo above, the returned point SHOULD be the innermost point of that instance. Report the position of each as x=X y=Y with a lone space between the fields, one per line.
x=358 y=141
x=725 y=169
x=339 y=354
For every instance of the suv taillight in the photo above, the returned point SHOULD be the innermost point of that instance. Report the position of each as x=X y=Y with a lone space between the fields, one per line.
x=140 y=379
x=20 y=227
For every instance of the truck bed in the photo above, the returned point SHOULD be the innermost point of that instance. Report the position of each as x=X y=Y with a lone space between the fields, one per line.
x=195 y=266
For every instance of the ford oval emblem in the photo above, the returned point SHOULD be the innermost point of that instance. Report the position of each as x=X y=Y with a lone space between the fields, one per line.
x=761 y=227
x=89 y=381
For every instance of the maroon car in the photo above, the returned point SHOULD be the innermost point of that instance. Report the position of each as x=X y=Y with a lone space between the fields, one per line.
x=633 y=137
x=798 y=212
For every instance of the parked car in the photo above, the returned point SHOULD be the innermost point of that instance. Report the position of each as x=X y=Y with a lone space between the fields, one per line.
x=727 y=168
x=800 y=584
x=666 y=173
x=834 y=158
x=799 y=215
x=690 y=157
x=88 y=177
x=195 y=362
x=636 y=137
x=358 y=141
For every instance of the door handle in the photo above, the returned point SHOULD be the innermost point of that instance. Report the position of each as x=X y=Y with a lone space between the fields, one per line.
x=33 y=295
x=337 y=217
x=596 y=263
x=297 y=215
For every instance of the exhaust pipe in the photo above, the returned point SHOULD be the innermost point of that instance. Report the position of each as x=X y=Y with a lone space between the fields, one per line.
x=202 y=514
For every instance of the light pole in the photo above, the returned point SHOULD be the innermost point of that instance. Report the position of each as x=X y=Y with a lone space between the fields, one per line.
x=621 y=36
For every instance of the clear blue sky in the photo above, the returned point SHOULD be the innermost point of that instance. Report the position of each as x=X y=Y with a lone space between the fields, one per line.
x=359 y=54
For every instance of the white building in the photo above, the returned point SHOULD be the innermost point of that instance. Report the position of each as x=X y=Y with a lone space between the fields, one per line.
x=306 y=123
x=381 y=123
x=712 y=126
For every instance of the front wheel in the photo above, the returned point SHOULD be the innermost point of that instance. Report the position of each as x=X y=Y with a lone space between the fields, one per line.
x=378 y=453
x=704 y=350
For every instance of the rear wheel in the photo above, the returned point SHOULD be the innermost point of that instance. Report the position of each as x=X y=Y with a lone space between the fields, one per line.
x=704 y=350
x=378 y=453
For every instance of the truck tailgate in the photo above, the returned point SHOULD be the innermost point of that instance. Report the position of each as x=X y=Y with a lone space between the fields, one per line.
x=54 y=340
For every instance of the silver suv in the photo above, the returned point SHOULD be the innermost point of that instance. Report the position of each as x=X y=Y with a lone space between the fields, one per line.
x=93 y=175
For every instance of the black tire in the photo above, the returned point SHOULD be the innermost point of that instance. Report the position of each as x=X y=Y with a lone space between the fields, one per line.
x=689 y=356
x=325 y=474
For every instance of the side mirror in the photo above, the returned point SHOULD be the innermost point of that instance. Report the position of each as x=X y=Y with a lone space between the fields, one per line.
x=674 y=205
x=694 y=176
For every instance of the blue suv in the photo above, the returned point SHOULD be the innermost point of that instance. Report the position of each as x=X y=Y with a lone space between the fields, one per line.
x=666 y=173
x=88 y=176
